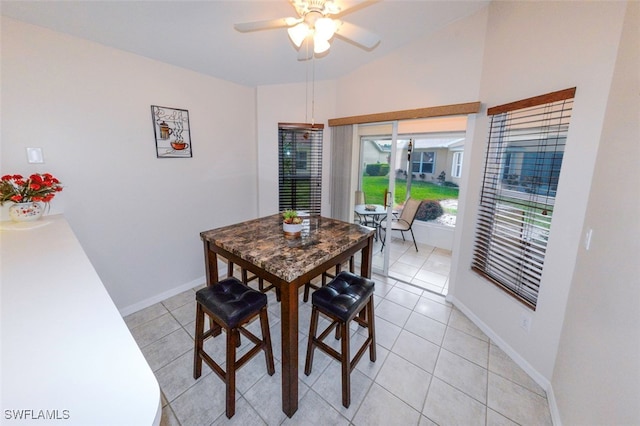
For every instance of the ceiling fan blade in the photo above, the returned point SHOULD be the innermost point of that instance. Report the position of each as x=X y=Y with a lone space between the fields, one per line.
x=345 y=7
x=357 y=35
x=305 y=52
x=267 y=25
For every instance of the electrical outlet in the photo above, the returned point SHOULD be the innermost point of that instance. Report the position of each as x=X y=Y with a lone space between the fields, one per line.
x=525 y=322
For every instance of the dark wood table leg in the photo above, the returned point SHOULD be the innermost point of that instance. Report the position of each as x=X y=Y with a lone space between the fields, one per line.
x=210 y=265
x=365 y=267
x=289 y=329
x=367 y=259
x=211 y=273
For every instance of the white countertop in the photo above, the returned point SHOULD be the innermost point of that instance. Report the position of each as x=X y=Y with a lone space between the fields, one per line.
x=66 y=351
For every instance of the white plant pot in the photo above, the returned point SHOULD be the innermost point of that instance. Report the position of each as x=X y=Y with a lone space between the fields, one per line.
x=26 y=212
x=292 y=230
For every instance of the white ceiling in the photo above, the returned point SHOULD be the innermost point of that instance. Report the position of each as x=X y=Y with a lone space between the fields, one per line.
x=199 y=35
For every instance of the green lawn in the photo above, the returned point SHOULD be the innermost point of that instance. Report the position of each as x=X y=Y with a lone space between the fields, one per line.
x=374 y=187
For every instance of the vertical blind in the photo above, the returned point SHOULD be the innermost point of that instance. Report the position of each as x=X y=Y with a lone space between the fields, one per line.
x=340 y=175
x=521 y=173
x=300 y=167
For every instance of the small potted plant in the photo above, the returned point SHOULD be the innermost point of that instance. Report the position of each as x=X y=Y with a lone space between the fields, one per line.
x=27 y=194
x=291 y=223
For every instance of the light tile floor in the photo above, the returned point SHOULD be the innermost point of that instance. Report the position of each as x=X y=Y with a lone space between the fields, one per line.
x=428 y=268
x=434 y=366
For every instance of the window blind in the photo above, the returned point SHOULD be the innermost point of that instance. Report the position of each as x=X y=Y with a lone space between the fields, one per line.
x=519 y=186
x=300 y=167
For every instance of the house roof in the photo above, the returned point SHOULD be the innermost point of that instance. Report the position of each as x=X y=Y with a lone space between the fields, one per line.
x=199 y=35
x=438 y=143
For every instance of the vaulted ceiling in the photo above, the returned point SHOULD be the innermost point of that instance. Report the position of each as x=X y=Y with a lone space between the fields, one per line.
x=199 y=35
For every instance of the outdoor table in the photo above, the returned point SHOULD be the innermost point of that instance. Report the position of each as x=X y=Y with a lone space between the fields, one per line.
x=260 y=247
x=372 y=214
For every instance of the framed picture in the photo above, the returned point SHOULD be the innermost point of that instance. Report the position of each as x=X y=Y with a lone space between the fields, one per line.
x=171 y=128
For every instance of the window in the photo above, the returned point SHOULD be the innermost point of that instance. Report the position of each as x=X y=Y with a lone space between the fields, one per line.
x=522 y=169
x=456 y=166
x=301 y=161
x=422 y=162
x=300 y=167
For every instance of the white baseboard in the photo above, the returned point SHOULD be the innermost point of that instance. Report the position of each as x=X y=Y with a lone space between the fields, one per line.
x=128 y=310
x=515 y=356
x=553 y=407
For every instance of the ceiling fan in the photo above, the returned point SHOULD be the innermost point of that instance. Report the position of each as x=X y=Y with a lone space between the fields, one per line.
x=316 y=25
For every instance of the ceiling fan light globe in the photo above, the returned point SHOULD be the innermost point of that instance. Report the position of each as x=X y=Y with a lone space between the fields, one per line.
x=320 y=45
x=325 y=28
x=298 y=33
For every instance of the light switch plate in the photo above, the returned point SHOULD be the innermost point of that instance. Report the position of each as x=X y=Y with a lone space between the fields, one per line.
x=525 y=322
x=34 y=155
x=587 y=239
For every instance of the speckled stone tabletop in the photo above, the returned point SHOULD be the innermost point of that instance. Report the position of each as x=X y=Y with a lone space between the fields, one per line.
x=262 y=242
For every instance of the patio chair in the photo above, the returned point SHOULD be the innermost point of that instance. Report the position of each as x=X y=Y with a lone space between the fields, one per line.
x=360 y=199
x=404 y=222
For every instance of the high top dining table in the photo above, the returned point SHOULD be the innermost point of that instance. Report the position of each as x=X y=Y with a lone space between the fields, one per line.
x=260 y=246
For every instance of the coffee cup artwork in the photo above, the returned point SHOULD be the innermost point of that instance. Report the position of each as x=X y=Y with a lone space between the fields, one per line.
x=179 y=145
x=172 y=132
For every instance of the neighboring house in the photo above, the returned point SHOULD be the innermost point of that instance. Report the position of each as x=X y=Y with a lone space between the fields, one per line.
x=432 y=156
x=375 y=151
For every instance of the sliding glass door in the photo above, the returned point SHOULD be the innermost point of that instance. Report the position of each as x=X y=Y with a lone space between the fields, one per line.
x=380 y=154
x=412 y=178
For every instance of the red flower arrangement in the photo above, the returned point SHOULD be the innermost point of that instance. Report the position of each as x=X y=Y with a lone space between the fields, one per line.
x=39 y=187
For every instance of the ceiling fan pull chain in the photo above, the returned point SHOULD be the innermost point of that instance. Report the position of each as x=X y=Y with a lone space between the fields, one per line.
x=313 y=90
x=306 y=91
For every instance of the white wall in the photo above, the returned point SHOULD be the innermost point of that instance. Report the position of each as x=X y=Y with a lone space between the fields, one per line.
x=436 y=235
x=290 y=103
x=533 y=48
x=88 y=107
x=596 y=379
x=440 y=69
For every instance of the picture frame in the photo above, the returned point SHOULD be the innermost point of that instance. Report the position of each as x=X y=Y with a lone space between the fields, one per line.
x=172 y=132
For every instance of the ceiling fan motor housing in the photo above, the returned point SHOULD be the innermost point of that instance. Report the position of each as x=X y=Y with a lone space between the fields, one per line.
x=311 y=17
x=321 y=7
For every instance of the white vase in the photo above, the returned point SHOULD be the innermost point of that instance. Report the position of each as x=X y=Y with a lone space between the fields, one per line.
x=26 y=212
x=292 y=230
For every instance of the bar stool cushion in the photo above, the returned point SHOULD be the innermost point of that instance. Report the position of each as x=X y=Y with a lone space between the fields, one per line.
x=344 y=295
x=231 y=300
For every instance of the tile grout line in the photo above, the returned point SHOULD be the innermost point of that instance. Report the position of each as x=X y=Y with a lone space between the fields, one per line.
x=433 y=374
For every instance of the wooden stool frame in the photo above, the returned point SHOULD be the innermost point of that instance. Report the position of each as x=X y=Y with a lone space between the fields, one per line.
x=348 y=364
x=233 y=340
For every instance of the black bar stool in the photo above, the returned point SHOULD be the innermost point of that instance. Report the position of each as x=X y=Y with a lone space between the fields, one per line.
x=230 y=305
x=309 y=285
x=247 y=279
x=342 y=299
